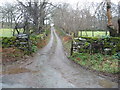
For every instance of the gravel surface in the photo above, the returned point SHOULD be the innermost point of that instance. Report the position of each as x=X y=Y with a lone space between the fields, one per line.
x=50 y=68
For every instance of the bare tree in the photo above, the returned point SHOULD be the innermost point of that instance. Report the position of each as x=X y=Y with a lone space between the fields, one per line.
x=82 y=17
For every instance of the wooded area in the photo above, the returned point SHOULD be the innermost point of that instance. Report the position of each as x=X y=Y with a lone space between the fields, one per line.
x=29 y=15
x=32 y=15
x=84 y=18
x=48 y=44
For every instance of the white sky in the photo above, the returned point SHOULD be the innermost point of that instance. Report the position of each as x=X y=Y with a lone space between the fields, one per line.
x=67 y=1
x=75 y=1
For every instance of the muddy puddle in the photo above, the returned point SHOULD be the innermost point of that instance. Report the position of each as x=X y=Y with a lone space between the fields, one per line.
x=17 y=71
x=106 y=84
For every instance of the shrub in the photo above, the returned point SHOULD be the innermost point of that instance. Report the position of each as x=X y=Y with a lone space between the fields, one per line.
x=8 y=42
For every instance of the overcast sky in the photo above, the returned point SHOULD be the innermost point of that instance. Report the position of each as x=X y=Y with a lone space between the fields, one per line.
x=75 y=1
x=67 y=1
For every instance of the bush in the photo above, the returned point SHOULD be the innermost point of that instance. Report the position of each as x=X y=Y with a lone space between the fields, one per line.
x=33 y=48
x=8 y=42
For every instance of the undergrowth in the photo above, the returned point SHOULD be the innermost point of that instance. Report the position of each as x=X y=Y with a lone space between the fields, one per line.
x=99 y=62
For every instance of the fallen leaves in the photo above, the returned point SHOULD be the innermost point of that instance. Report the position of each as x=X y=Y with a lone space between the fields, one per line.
x=66 y=38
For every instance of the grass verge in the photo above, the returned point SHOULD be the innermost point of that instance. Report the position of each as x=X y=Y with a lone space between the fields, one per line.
x=66 y=41
x=98 y=62
x=103 y=65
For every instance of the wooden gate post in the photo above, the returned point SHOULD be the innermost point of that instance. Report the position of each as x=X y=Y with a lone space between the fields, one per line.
x=71 y=51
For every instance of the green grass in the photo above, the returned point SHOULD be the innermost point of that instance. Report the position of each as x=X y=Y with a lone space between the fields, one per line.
x=67 y=47
x=5 y=32
x=99 y=62
x=96 y=33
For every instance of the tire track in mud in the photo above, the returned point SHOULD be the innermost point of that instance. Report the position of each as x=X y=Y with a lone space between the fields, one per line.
x=45 y=75
x=54 y=70
x=74 y=74
x=41 y=56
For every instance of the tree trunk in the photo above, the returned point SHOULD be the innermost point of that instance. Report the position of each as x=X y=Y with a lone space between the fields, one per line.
x=112 y=31
x=81 y=33
x=106 y=32
x=110 y=25
x=86 y=32
x=76 y=34
x=11 y=22
x=2 y=22
x=119 y=27
x=109 y=13
x=92 y=33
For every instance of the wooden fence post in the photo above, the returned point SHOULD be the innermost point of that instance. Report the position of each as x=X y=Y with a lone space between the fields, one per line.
x=81 y=33
x=71 y=48
x=71 y=51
